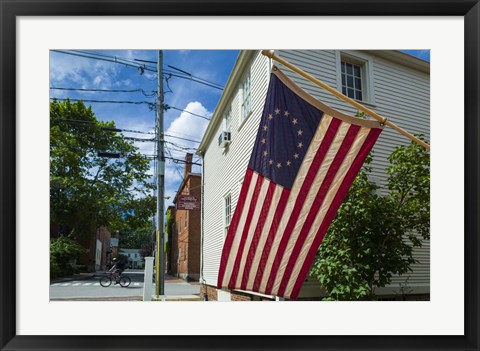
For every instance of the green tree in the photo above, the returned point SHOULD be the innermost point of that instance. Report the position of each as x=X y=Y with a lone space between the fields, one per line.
x=62 y=251
x=136 y=238
x=374 y=234
x=170 y=222
x=86 y=189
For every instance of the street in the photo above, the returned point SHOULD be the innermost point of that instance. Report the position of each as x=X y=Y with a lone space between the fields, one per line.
x=90 y=289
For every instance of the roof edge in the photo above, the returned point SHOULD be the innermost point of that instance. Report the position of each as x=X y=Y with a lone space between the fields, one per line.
x=402 y=59
x=184 y=182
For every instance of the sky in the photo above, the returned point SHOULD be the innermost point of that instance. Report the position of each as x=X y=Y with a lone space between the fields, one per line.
x=112 y=70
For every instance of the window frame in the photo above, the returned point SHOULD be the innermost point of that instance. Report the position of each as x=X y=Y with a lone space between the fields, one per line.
x=227 y=212
x=244 y=115
x=365 y=62
x=354 y=76
x=228 y=120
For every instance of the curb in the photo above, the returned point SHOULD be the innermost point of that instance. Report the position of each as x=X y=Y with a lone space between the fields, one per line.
x=176 y=298
x=119 y=298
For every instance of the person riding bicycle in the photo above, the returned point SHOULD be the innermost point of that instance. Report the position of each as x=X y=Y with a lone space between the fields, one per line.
x=116 y=270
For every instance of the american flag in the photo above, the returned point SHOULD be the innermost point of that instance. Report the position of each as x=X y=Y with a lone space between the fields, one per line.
x=305 y=157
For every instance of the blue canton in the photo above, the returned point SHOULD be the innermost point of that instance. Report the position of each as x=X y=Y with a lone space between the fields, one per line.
x=286 y=129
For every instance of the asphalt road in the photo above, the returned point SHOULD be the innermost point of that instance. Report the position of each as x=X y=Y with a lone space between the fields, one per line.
x=91 y=288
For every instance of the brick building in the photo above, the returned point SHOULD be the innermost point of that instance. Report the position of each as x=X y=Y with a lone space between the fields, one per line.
x=186 y=234
x=98 y=253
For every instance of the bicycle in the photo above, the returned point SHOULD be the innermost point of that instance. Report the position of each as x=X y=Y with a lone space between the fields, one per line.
x=107 y=280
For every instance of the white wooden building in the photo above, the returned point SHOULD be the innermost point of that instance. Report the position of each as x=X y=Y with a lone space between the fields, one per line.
x=134 y=258
x=392 y=83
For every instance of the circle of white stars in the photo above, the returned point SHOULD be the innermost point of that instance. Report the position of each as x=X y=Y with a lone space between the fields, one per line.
x=299 y=133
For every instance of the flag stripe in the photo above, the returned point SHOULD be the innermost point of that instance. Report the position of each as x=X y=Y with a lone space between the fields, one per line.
x=303 y=181
x=306 y=223
x=270 y=239
x=236 y=254
x=313 y=191
x=267 y=205
x=332 y=211
x=318 y=215
x=274 y=207
x=304 y=201
x=303 y=162
x=243 y=231
x=238 y=270
x=231 y=240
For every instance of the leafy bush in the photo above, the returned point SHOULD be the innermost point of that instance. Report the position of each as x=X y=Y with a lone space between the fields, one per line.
x=373 y=235
x=62 y=251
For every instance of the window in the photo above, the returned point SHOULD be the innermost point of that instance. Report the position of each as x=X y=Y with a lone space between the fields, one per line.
x=352 y=80
x=246 y=97
x=228 y=121
x=180 y=225
x=228 y=211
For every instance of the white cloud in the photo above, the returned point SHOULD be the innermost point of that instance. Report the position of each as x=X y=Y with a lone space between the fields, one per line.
x=190 y=127
x=80 y=71
x=187 y=124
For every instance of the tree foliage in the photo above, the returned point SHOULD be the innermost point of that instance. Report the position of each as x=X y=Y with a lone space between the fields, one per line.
x=169 y=225
x=137 y=238
x=374 y=234
x=62 y=251
x=88 y=190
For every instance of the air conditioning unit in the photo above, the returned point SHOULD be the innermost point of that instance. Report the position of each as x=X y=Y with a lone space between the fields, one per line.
x=224 y=139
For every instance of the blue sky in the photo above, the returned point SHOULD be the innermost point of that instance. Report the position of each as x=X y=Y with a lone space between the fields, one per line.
x=68 y=71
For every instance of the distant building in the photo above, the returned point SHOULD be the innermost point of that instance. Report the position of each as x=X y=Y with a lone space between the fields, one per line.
x=391 y=83
x=134 y=259
x=98 y=253
x=185 y=246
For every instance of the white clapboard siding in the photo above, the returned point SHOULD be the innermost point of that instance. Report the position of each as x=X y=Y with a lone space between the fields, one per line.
x=225 y=168
x=398 y=92
x=402 y=95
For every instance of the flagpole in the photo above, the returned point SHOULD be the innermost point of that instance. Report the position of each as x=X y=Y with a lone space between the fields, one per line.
x=383 y=120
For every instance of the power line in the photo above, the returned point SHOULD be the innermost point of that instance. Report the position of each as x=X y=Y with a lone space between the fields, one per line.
x=154 y=93
x=141 y=68
x=177 y=137
x=183 y=161
x=174 y=163
x=150 y=104
x=95 y=58
x=167 y=107
x=133 y=61
x=106 y=101
x=122 y=129
x=139 y=139
x=191 y=75
x=105 y=128
x=181 y=147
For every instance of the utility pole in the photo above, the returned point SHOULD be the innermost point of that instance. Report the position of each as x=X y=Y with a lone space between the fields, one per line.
x=160 y=259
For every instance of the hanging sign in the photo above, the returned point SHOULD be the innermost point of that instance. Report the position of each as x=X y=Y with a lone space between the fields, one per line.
x=188 y=202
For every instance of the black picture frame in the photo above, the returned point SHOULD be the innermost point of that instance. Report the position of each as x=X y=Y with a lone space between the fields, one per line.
x=9 y=340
